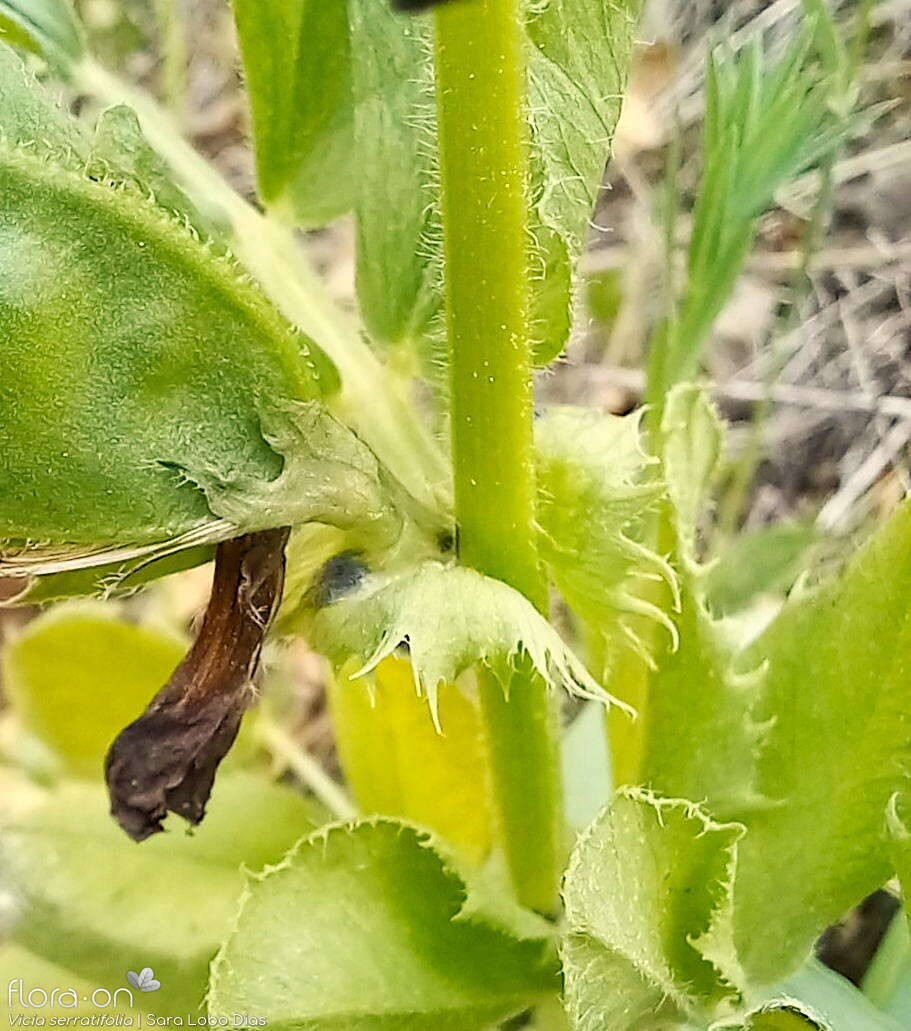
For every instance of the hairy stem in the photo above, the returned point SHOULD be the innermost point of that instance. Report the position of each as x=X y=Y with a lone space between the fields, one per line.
x=481 y=85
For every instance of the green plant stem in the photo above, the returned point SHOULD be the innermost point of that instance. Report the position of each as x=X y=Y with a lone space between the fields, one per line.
x=373 y=400
x=484 y=156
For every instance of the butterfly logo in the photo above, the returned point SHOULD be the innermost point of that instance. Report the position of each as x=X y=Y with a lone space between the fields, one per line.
x=144 y=981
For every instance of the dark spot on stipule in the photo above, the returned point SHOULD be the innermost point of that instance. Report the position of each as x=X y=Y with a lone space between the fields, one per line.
x=447 y=541
x=166 y=760
x=338 y=578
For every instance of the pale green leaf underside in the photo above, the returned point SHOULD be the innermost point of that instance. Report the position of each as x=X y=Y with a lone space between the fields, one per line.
x=587 y=774
x=887 y=982
x=298 y=74
x=578 y=54
x=105 y=581
x=366 y=931
x=96 y=905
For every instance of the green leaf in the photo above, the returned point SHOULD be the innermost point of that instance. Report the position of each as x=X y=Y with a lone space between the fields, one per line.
x=839 y=59
x=837 y=749
x=814 y=998
x=399 y=263
x=577 y=67
x=699 y=734
x=451 y=618
x=78 y=675
x=399 y=764
x=370 y=928
x=757 y=563
x=119 y=149
x=663 y=948
x=647 y=882
x=46 y=27
x=595 y=493
x=145 y=380
x=803 y=738
x=94 y=904
x=692 y=441
x=887 y=982
x=29 y=118
x=700 y=731
x=301 y=105
x=578 y=59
